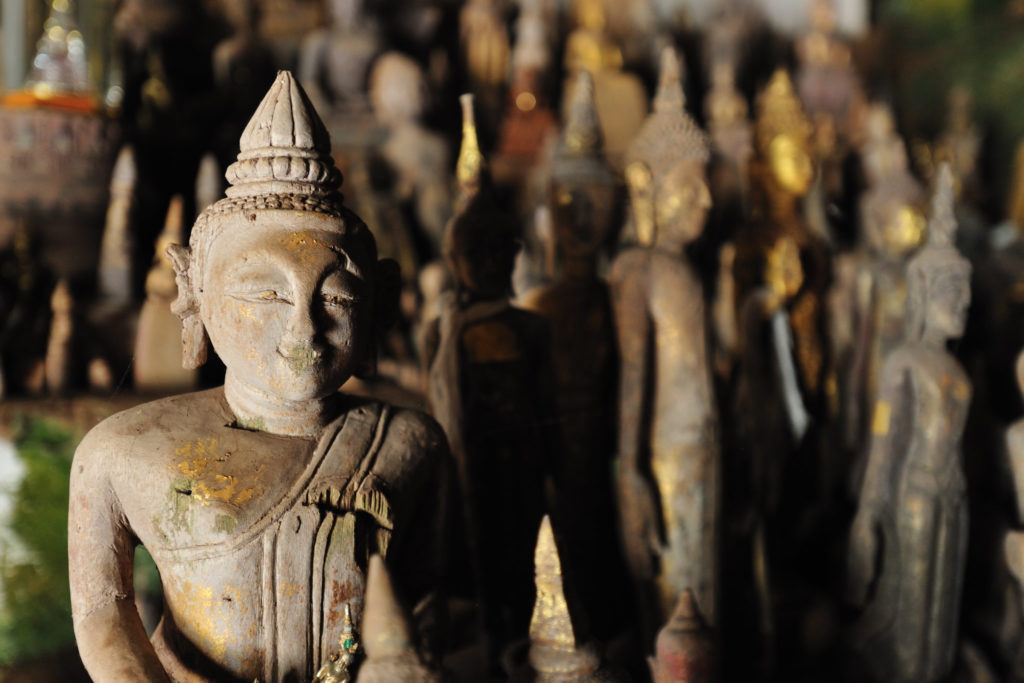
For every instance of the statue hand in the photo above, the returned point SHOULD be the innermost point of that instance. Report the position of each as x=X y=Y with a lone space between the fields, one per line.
x=641 y=524
x=862 y=560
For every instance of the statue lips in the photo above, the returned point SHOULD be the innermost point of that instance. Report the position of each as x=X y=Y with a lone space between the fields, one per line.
x=303 y=358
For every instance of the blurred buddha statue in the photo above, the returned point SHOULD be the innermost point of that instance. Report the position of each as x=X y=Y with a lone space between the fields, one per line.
x=732 y=135
x=893 y=226
x=261 y=501
x=418 y=156
x=483 y=35
x=668 y=470
x=909 y=538
x=488 y=386
x=584 y=201
x=620 y=96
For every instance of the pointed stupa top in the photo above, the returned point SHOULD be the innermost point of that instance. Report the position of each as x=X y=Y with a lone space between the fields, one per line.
x=285 y=148
x=942 y=226
x=581 y=134
x=470 y=166
x=669 y=134
x=551 y=622
x=386 y=631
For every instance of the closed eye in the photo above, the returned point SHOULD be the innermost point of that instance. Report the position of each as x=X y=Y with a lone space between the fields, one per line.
x=261 y=296
x=337 y=299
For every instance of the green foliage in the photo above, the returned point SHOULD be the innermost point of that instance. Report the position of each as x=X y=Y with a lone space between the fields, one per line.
x=36 y=615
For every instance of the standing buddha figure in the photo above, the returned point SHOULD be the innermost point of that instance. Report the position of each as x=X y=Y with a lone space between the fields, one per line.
x=488 y=370
x=909 y=538
x=668 y=471
x=260 y=501
x=584 y=202
x=732 y=136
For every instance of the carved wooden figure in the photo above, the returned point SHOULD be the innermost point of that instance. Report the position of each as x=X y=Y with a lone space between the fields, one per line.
x=668 y=473
x=488 y=371
x=583 y=201
x=909 y=538
x=156 y=364
x=261 y=501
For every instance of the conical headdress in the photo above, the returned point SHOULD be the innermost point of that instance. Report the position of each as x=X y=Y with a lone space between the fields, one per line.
x=469 y=168
x=579 y=155
x=779 y=112
x=669 y=134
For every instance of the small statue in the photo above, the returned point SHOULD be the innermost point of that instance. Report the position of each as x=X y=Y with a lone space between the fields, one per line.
x=668 y=472
x=115 y=267
x=387 y=636
x=339 y=667
x=909 y=538
x=619 y=95
x=483 y=35
x=685 y=649
x=584 y=202
x=487 y=386
x=261 y=501
x=418 y=155
x=558 y=649
x=59 y=363
x=156 y=365
x=732 y=136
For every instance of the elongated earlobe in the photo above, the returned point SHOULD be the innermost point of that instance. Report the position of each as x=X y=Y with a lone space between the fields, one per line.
x=194 y=342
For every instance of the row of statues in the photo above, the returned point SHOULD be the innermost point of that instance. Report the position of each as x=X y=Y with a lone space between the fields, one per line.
x=688 y=375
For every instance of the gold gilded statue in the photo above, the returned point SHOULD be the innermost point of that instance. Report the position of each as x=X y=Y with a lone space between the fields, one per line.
x=909 y=538
x=260 y=501
x=668 y=474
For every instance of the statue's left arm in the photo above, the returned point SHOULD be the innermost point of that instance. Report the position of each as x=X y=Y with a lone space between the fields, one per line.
x=101 y=548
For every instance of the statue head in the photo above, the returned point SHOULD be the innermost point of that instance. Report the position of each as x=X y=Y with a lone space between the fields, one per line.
x=666 y=166
x=481 y=241
x=279 y=276
x=784 y=136
x=398 y=90
x=583 y=188
x=938 y=277
x=346 y=14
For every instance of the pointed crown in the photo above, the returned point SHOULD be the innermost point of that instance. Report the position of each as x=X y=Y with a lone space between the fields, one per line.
x=779 y=113
x=939 y=254
x=469 y=168
x=579 y=155
x=669 y=134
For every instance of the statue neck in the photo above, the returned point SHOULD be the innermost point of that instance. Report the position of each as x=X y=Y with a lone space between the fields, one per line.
x=260 y=411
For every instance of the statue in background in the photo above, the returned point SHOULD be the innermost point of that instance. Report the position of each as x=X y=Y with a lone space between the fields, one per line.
x=909 y=538
x=261 y=501
x=668 y=471
x=584 y=201
x=487 y=386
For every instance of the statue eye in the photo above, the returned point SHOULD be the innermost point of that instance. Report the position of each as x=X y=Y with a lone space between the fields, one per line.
x=339 y=299
x=261 y=296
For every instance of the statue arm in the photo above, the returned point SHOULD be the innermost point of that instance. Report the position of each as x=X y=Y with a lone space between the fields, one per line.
x=890 y=429
x=639 y=511
x=101 y=548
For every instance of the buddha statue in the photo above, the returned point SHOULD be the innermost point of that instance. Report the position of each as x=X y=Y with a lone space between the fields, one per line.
x=893 y=225
x=619 y=95
x=115 y=267
x=417 y=155
x=726 y=110
x=559 y=649
x=60 y=358
x=335 y=61
x=583 y=202
x=668 y=470
x=483 y=35
x=260 y=501
x=155 y=364
x=909 y=538
x=488 y=386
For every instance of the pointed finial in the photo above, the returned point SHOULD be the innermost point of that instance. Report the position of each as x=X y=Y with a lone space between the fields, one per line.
x=386 y=631
x=551 y=622
x=285 y=148
x=942 y=226
x=469 y=168
x=582 y=133
x=684 y=647
x=670 y=87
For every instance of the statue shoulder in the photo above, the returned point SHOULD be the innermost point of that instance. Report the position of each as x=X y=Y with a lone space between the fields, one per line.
x=413 y=444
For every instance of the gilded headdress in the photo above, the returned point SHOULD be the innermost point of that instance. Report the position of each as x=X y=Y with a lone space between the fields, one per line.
x=579 y=155
x=669 y=134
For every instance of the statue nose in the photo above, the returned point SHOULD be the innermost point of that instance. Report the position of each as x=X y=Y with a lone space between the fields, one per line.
x=301 y=328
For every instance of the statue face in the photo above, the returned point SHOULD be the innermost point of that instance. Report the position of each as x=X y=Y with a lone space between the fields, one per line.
x=949 y=298
x=583 y=218
x=791 y=165
x=682 y=203
x=904 y=231
x=286 y=309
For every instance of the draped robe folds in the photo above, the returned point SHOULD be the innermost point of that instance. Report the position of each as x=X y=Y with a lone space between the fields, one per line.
x=259 y=553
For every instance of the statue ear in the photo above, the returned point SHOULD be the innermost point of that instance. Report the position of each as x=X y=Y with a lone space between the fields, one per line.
x=194 y=342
